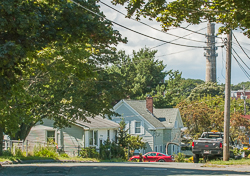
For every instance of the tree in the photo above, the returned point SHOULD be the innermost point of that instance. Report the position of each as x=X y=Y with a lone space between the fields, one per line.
x=198 y=117
x=166 y=94
x=127 y=141
x=205 y=89
x=52 y=54
x=139 y=73
x=207 y=113
x=232 y=14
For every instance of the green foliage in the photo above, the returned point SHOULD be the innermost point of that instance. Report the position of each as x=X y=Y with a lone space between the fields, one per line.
x=110 y=150
x=139 y=73
x=64 y=155
x=207 y=113
x=45 y=151
x=232 y=14
x=206 y=89
x=180 y=157
x=19 y=153
x=89 y=152
x=52 y=53
x=240 y=86
x=7 y=153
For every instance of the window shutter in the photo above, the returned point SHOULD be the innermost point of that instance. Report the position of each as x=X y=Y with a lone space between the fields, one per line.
x=127 y=127
x=132 y=128
x=142 y=127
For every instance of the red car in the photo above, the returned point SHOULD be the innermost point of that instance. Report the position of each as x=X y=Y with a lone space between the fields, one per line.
x=153 y=157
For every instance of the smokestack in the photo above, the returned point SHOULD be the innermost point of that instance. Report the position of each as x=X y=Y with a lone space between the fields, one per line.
x=149 y=103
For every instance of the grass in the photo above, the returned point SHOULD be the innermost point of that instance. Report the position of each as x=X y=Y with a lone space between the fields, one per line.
x=14 y=158
x=244 y=161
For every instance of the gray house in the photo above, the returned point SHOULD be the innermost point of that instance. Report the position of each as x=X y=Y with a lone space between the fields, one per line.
x=81 y=134
x=157 y=127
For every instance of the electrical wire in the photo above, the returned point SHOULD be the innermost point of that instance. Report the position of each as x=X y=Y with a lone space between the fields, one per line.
x=190 y=46
x=240 y=58
x=240 y=46
x=177 y=38
x=175 y=53
x=244 y=71
x=183 y=37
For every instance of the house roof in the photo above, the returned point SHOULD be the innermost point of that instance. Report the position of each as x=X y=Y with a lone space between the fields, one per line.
x=98 y=123
x=161 y=118
x=140 y=107
x=166 y=116
x=246 y=116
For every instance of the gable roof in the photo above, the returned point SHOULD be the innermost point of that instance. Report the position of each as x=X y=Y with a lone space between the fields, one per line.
x=160 y=117
x=140 y=107
x=167 y=116
x=98 y=122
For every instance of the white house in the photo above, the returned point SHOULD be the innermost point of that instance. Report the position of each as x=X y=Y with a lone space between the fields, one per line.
x=156 y=126
x=81 y=134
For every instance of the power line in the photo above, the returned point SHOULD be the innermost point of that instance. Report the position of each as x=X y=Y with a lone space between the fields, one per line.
x=177 y=38
x=240 y=46
x=244 y=71
x=190 y=46
x=151 y=26
x=240 y=58
x=175 y=52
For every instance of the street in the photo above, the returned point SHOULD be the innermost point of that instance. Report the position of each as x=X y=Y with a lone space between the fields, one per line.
x=120 y=169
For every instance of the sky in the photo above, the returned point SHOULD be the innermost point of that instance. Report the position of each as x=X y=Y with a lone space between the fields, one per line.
x=190 y=61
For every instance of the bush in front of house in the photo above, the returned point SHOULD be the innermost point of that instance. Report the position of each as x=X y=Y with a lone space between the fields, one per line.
x=180 y=157
x=89 y=152
x=45 y=151
x=110 y=150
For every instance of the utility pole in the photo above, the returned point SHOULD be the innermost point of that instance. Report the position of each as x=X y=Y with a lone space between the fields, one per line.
x=226 y=153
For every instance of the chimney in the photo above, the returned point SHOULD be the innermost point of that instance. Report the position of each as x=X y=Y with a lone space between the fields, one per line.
x=149 y=103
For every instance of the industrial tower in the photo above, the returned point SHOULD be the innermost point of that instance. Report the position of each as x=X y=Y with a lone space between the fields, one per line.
x=210 y=54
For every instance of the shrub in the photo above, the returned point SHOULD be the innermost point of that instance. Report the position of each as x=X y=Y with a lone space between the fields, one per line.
x=19 y=153
x=89 y=152
x=7 y=153
x=110 y=150
x=45 y=151
x=64 y=155
x=180 y=157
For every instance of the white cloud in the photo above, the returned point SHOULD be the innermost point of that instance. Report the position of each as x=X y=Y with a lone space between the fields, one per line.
x=190 y=61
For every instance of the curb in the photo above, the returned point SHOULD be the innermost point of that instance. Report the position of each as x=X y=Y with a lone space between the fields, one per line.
x=42 y=161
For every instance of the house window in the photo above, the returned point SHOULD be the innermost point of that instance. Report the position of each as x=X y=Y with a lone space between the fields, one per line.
x=137 y=127
x=95 y=137
x=155 y=148
x=51 y=137
x=91 y=137
x=160 y=148
x=108 y=135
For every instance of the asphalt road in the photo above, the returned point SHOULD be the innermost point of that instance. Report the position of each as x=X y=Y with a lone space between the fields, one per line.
x=120 y=169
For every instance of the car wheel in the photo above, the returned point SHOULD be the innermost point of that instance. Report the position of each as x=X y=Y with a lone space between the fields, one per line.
x=161 y=160
x=134 y=160
x=196 y=158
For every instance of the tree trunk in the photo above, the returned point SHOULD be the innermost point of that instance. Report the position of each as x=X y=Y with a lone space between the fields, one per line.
x=24 y=131
x=1 y=140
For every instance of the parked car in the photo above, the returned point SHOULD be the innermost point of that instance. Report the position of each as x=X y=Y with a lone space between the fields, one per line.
x=153 y=157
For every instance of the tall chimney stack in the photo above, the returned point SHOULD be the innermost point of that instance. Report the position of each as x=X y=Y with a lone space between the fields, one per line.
x=149 y=103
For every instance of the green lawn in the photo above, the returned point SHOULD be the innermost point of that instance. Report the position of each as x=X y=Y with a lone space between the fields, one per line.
x=14 y=158
x=244 y=161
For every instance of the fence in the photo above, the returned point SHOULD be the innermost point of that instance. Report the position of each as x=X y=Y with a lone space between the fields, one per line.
x=28 y=147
